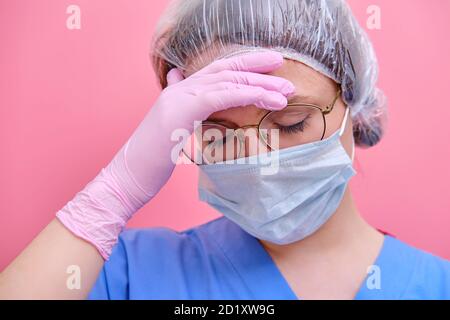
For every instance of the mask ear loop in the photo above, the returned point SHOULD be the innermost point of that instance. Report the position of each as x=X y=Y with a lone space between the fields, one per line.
x=344 y=124
x=341 y=131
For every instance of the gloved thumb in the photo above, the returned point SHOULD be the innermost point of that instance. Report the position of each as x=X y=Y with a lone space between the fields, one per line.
x=174 y=76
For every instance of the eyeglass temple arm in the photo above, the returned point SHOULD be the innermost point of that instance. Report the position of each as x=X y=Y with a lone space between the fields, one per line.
x=330 y=107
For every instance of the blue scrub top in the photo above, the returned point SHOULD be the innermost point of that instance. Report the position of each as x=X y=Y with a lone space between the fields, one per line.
x=219 y=260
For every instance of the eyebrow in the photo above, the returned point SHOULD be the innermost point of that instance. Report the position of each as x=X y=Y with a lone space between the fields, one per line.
x=222 y=121
x=298 y=98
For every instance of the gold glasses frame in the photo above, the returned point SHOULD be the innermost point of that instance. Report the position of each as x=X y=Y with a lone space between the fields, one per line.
x=323 y=110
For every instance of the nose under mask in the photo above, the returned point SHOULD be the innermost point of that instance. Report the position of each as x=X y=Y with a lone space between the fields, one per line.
x=287 y=206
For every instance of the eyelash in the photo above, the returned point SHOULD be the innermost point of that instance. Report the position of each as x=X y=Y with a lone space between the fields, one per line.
x=295 y=128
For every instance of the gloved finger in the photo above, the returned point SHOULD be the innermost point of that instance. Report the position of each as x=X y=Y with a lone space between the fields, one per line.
x=228 y=95
x=260 y=62
x=174 y=76
x=268 y=82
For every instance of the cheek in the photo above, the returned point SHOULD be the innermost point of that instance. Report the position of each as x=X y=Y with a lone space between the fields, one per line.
x=335 y=119
x=334 y=124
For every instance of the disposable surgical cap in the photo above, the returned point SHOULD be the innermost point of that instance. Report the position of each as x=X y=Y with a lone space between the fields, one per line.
x=322 y=34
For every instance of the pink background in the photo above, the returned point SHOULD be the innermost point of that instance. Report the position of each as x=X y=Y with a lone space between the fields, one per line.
x=70 y=99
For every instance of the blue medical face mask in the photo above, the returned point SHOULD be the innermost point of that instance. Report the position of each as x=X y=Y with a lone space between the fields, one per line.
x=287 y=206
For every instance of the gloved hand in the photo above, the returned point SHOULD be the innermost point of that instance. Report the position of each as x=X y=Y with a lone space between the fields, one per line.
x=143 y=165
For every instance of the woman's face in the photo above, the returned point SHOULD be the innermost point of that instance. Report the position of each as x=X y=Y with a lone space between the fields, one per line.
x=311 y=87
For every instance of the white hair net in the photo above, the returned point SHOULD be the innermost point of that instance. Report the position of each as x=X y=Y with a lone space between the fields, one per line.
x=322 y=34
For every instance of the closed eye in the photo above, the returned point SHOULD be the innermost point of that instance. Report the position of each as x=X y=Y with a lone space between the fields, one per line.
x=295 y=128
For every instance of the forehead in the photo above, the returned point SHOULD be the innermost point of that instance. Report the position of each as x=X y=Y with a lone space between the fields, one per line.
x=308 y=82
x=302 y=76
x=306 y=79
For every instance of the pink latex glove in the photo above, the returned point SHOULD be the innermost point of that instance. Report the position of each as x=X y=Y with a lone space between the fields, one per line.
x=143 y=165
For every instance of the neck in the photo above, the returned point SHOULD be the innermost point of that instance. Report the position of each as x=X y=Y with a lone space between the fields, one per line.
x=344 y=230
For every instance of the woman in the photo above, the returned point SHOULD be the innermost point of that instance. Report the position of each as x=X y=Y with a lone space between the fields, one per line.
x=302 y=76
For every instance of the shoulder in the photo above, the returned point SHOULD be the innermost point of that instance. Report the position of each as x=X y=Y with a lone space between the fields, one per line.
x=162 y=238
x=418 y=274
x=143 y=259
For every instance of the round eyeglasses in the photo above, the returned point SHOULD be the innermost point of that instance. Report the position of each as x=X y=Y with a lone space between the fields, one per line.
x=298 y=123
